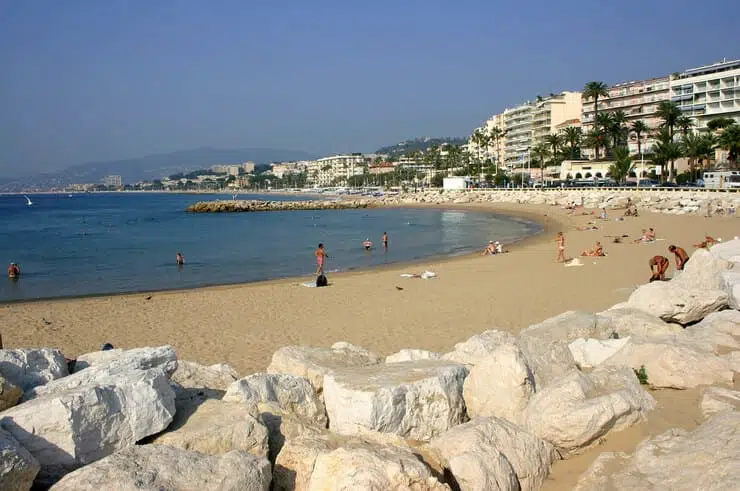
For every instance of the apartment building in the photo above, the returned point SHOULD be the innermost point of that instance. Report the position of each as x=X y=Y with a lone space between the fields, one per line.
x=638 y=100
x=337 y=168
x=114 y=181
x=518 y=141
x=550 y=112
x=286 y=168
x=708 y=92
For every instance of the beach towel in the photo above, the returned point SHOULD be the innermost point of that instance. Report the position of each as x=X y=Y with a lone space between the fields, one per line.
x=424 y=276
x=573 y=262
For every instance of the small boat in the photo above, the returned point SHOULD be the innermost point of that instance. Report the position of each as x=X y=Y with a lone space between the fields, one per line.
x=28 y=200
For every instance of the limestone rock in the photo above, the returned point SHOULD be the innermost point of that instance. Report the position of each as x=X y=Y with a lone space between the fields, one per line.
x=314 y=363
x=478 y=347
x=217 y=427
x=331 y=461
x=634 y=322
x=728 y=250
x=500 y=385
x=576 y=410
x=492 y=453
x=97 y=358
x=18 y=468
x=194 y=375
x=134 y=359
x=570 y=326
x=672 y=362
x=703 y=271
x=160 y=467
x=717 y=331
x=9 y=394
x=294 y=395
x=678 y=460
x=412 y=355
x=283 y=426
x=547 y=360
x=731 y=284
x=78 y=426
x=589 y=353
x=674 y=303
x=28 y=368
x=415 y=399
x=718 y=399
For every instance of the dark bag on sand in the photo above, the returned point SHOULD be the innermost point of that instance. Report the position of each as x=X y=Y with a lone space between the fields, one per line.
x=321 y=280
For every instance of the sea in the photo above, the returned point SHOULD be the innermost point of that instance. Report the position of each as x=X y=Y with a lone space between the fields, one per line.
x=109 y=243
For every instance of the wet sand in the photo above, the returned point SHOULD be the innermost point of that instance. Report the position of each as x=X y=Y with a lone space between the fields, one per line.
x=244 y=324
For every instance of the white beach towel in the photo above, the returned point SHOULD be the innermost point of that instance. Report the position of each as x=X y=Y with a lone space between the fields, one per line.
x=309 y=284
x=424 y=276
x=573 y=262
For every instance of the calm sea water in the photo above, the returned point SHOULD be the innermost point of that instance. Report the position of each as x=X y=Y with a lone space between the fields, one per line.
x=111 y=243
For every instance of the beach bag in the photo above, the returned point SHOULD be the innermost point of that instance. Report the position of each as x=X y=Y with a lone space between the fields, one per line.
x=321 y=280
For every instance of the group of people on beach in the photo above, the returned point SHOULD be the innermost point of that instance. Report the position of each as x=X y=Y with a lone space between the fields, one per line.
x=659 y=264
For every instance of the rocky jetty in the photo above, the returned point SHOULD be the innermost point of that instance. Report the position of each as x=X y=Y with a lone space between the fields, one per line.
x=679 y=202
x=495 y=413
x=241 y=206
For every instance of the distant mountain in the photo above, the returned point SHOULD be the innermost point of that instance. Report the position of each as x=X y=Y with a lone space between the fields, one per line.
x=419 y=144
x=151 y=167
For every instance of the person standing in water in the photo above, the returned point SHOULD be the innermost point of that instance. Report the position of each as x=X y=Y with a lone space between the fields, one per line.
x=367 y=244
x=385 y=240
x=321 y=255
x=13 y=271
x=180 y=259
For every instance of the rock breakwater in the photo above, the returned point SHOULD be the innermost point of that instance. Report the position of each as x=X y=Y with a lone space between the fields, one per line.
x=241 y=206
x=343 y=418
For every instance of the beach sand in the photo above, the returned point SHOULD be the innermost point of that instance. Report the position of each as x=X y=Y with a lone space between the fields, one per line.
x=244 y=324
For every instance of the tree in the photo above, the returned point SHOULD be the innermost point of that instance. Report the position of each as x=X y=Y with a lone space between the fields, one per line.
x=670 y=113
x=454 y=157
x=618 y=128
x=719 y=123
x=639 y=128
x=666 y=150
x=595 y=90
x=622 y=165
x=572 y=138
x=684 y=124
x=495 y=136
x=596 y=138
x=554 y=141
x=697 y=148
x=730 y=140
x=480 y=140
x=540 y=153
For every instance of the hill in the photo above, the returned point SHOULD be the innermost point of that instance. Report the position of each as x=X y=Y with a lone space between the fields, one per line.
x=418 y=144
x=151 y=167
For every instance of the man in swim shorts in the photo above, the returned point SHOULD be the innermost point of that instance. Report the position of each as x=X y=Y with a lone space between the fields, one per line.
x=660 y=263
x=14 y=271
x=681 y=256
x=180 y=259
x=385 y=240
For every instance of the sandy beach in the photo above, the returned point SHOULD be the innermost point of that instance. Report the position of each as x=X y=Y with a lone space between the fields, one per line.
x=244 y=324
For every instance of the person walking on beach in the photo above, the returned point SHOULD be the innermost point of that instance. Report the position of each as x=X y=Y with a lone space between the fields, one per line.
x=180 y=258
x=681 y=256
x=385 y=240
x=321 y=255
x=661 y=264
x=560 y=239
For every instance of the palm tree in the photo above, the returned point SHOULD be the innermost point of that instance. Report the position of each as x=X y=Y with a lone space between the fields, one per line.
x=495 y=136
x=666 y=150
x=454 y=154
x=541 y=152
x=596 y=138
x=572 y=137
x=730 y=140
x=684 y=124
x=480 y=140
x=697 y=148
x=618 y=127
x=622 y=165
x=639 y=128
x=670 y=113
x=554 y=141
x=719 y=123
x=605 y=123
x=595 y=90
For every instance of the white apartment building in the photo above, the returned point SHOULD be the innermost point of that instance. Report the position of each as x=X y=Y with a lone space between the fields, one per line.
x=114 y=181
x=328 y=170
x=286 y=168
x=493 y=151
x=638 y=100
x=552 y=111
x=708 y=92
x=518 y=140
x=248 y=167
x=232 y=170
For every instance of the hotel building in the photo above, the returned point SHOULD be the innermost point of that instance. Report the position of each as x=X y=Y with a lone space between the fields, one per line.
x=335 y=170
x=551 y=112
x=113 y=181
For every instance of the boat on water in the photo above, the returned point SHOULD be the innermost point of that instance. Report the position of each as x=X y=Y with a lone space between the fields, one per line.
x=28 y=200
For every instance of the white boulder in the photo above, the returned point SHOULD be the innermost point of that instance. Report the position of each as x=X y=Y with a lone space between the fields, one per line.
x=28 y=368
x=160 y=467
x=493 y=453
x=499 y=385
x=634 y=322
x=412 y=355
x=9 y=394
x=728 y=250
x=717 y=332
x=576 y=410
x=589 y=353
x=478 y=347
x=547 y=360
x=87 y=360
x=191 y=375
x=217 y=427
x=673 y=362
x=135 y=359
x=416 y=399
x=78 y=426
x=570 y=326
x=731 y=285
x=332 y=461
x=677 y=460
x=673 y=302
x=703 y=271
x=291 y=394
x=18 y=468
x=718 y=399
x=314 y=363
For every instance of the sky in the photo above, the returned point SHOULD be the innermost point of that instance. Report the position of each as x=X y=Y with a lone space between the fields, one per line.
x=96 y=80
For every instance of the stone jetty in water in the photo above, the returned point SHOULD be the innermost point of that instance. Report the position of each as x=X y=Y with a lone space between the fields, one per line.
x=225 y=206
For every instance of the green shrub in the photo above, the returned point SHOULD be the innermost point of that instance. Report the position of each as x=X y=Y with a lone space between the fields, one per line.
x=642 y=375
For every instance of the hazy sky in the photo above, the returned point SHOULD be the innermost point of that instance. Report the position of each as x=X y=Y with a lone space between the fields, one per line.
x=86 y=80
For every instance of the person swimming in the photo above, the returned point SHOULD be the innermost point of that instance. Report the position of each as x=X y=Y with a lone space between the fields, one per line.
x=367 y=244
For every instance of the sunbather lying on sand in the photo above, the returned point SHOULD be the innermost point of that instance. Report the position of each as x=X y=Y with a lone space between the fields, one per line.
x=597 y=251
x=708 y=240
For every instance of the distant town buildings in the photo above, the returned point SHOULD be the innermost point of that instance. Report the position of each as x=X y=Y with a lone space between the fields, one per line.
x=112 y=181
x=335 y=170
